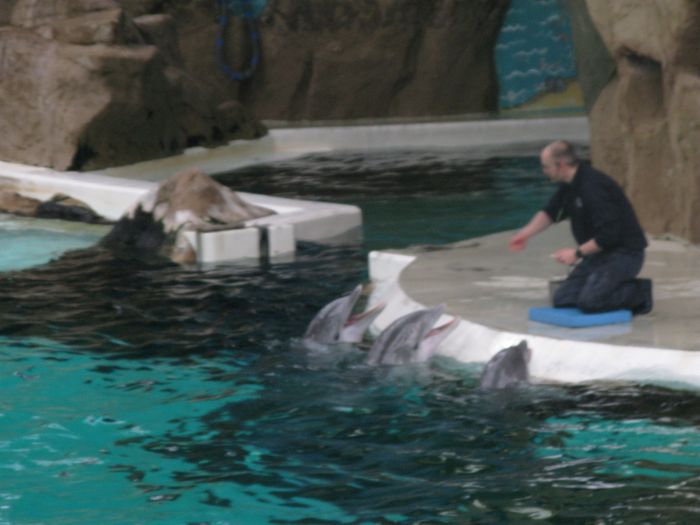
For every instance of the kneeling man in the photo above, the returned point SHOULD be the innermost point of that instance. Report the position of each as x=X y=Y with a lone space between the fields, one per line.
x=610 y=241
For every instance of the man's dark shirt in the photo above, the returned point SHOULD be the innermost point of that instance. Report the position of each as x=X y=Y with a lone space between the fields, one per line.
x=598 y=209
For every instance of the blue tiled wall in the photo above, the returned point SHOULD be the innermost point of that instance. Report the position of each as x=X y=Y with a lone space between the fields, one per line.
x=534 y=52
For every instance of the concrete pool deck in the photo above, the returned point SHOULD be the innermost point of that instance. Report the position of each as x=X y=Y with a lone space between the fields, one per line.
x=491 y=289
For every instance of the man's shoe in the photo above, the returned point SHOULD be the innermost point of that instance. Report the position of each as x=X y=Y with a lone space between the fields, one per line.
x=644 y=300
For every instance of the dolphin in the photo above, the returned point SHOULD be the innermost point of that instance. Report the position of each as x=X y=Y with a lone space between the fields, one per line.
x=508 y=367
x=334 y=323
x=410 y=338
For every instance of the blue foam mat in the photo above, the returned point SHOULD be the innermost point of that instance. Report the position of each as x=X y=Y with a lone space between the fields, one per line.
x=575 y=318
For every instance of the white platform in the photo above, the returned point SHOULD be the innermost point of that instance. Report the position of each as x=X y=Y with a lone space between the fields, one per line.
x=112 y=196
x=490 y=290
x=481 y=136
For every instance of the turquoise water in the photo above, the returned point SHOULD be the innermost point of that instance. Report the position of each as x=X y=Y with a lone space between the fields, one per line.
x=31 y=242
x=410 y=197
x=143 y=392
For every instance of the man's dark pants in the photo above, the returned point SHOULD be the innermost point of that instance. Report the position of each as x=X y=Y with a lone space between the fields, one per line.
x=602 y=282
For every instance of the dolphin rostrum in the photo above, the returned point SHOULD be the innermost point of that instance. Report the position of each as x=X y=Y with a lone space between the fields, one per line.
x=410 y=338
x=334 y=323
x=508 y=367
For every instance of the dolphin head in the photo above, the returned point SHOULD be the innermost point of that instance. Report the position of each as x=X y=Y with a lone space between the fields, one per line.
x=410 y=338
x=334 y=323
x=432 y=340
x=357 y=324
x=508 y=367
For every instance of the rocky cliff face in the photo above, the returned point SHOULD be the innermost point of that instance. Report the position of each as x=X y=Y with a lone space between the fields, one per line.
x=344 y=59
x=93 y=83
x=84 y=85
x=376 y=58
x=645 y=123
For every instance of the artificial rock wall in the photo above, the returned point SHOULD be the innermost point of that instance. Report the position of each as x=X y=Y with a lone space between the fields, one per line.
x=86 y=84
x=376 y=58
x=645 y=122
x=347 y=59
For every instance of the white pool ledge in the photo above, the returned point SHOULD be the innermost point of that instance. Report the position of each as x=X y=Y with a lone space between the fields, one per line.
x=565 y=356
x=295 y=220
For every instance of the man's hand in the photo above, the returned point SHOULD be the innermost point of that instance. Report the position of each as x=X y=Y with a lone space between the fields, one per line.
x=566 y=256
x=517 y=242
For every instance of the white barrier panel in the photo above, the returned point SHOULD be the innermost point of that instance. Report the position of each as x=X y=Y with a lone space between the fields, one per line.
x=228 y=245
x=280 y=240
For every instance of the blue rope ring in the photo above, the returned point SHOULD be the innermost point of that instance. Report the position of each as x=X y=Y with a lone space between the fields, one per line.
x=250 y=20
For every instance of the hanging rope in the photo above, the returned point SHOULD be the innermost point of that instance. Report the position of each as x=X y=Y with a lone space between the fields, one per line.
x=249 y=11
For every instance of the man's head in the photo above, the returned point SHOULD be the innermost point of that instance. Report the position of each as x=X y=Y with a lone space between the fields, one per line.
x=559 y=161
